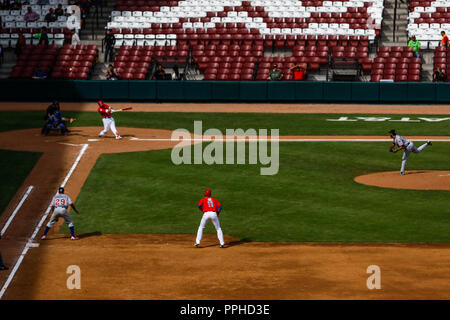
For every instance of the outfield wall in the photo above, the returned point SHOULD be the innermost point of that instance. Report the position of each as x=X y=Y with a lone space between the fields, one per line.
x=224 y=91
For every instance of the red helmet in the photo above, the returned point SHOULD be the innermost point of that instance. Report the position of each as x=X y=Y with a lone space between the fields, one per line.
x=207 y=193
x=100 y=102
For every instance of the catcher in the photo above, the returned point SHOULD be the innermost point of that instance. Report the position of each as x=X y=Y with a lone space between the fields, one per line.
x=55 y=121
x=403 y=144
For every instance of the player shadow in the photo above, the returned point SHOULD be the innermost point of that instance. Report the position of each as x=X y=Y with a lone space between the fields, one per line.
x=415 y=172
x=228 y=244
x=90 y=234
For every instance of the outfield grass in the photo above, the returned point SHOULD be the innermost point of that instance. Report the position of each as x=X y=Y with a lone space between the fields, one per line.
x=14 y=168
x=289 y=124
x=312 y=198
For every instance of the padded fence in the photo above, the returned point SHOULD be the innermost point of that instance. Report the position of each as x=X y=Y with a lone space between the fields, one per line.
x=224 y=91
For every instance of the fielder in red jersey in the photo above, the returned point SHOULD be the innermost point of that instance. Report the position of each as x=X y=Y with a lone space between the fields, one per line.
x=211 y=208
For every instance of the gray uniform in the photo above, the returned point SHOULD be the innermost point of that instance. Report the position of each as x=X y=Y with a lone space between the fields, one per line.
x=61 y=202
x=400 y=141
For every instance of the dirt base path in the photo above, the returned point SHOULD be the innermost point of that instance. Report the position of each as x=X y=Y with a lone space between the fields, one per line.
x=166 y=266
x=412 y=180
x=240 y=108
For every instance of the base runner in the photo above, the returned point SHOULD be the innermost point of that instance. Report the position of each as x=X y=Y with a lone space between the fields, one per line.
x=108 y=121
x=404 y=144
x=60 y=204
x=211 y=208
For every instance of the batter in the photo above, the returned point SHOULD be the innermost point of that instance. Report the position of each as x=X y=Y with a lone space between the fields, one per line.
x=108 y=121
x=211 y=208
x=60 y=204
x=404 y=144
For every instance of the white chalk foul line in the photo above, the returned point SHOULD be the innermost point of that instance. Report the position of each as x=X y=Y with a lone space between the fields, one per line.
x=30 y=243
x=24 y=197
x=70 y=144
x=231 y=139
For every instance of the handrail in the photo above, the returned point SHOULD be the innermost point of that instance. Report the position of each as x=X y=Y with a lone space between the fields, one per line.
x=395 y=20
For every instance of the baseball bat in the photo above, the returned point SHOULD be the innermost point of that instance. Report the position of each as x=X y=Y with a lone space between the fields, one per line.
x=125 y=109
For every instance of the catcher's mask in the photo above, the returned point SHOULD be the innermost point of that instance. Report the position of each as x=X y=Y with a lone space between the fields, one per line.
x=61 y=190
x=207 y=193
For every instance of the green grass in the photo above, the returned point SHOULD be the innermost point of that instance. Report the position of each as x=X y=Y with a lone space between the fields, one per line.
x=14 y=168
x=289 y=124
x=312 y=198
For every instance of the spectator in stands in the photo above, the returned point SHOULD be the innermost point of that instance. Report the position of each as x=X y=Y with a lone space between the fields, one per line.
x=299 y=72
x=438 y=75
x=159 y=73
x=110 y=41
x=40 y=73
x=21 y=42
x=16 y=5
x=43 y=39
x=176 y=73
x=444 y=41
x=275 y=74
x=415 y=44
x=31 y=16
x=111 y=74
x=4 y=5
x=59 y=11
x=75 y=38
x=50 y=16
x=43 y=2
x=84 y=5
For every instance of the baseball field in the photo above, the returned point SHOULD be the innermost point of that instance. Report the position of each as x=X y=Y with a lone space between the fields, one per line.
x=336 y=205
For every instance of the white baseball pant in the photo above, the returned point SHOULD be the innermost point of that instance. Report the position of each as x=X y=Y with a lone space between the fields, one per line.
x=210 y=215
x=411 y=148
x=109 y=123
x=57 y=213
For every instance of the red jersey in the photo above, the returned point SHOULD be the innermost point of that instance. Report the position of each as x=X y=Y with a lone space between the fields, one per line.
x=105 y=111
x=209 y=204
x=445 y=40
x=299 y=74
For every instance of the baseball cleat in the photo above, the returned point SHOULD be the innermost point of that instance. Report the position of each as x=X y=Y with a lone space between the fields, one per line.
x=43 y=237
x=402 y=173
x=429 y=143
x=196 y=245
x=118 y=137
x=99 y=136
x=222 y=246
x=74 y=238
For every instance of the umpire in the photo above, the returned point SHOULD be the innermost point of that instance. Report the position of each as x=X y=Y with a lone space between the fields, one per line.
x=51 y=109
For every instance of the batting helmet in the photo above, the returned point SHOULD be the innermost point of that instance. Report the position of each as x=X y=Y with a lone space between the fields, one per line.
x=100 y=102
x=393 y=132
x=61 y=190
x=207 y=193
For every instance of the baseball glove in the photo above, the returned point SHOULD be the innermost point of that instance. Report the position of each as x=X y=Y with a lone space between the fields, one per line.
x=72 y=120
x=391 y=149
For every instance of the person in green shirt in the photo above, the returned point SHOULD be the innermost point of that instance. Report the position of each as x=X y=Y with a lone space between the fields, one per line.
x=416 y=46
x=275 y=74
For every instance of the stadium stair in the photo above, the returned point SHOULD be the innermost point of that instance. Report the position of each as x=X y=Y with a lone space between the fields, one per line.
x=401 y=36
x=93 y=34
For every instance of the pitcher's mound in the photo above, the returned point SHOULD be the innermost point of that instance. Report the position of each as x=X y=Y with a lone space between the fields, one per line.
x=413 y=180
